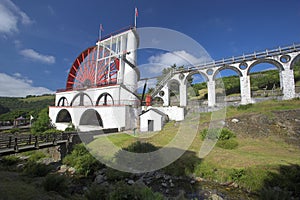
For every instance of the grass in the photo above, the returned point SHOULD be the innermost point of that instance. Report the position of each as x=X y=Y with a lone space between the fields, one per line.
x=248 y=164
x=38 y=98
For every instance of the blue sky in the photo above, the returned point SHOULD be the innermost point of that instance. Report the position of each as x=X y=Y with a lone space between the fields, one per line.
x=39 y=40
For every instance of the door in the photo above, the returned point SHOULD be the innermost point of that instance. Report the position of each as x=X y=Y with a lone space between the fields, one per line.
x=150 y=125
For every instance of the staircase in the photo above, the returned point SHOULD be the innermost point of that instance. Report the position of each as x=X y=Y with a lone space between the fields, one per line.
x=162 y=83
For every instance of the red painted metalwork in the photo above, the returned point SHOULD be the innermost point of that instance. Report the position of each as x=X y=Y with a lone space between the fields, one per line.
x=148 y=100
x=83 y=71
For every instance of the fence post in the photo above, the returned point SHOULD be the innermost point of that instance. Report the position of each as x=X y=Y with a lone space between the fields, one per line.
x=29 y=139
x=36 y=143
x=9 y=142
x=16 y=145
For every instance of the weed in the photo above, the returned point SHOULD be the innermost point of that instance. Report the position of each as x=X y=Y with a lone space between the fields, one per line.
x=34 y=169
x=57 y=183
x=227 y=144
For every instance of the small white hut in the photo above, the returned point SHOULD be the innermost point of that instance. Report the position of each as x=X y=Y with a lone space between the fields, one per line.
x=152 y=120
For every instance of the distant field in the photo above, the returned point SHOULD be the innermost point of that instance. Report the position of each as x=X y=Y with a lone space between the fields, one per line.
x=38 y=98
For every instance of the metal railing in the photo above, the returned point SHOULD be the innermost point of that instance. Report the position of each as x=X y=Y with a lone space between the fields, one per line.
x=17 y=142
x=245 y=57
x=162 y=82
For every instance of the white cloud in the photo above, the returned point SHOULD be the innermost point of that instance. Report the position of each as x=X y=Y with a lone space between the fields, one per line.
x=10 y=15
x=35 y=56
x=14 y=86
x=179 y=58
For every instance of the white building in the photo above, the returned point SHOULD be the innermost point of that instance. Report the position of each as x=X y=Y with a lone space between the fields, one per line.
x=152 y=120
x=101 y=87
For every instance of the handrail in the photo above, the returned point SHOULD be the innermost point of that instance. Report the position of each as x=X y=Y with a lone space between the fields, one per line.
x=244 y=57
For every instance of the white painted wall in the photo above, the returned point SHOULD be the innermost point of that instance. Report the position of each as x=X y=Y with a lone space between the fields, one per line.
x=151 y=115
x=173 y=112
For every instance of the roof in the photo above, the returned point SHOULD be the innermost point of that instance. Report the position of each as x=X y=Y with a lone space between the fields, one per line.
x=155 y=110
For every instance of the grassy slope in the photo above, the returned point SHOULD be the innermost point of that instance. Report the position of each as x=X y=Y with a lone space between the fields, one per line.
x=266 y=153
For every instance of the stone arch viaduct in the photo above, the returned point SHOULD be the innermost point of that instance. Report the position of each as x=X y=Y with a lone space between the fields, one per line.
x=283 y=58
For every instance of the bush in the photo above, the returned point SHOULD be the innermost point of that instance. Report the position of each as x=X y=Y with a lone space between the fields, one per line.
x=35 y=155
x=139 y=147
x=10 y=160
x=184 y=166
x=227 y=144
x=223 y=134
x=34 y=169
x=70 y=128
x=97 y=192
x=57 y=183
x=116 y=175
x=51 y=131
x=123 y=191
x=84 y=163
x=124 y=158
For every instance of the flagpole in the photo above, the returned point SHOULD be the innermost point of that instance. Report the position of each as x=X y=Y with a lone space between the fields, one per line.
x=135 y=15
x=100 y=32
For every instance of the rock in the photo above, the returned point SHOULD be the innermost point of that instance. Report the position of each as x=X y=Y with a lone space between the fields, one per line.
x=20 y=166
x=164 y=184
x=130 y=182
x=192 y=182
x=172 y=185
x=158 y=176
x=234 y=120
x=140 y=183
x=167 y=177
x=63 y=169
x=71 y=170
x=215 y=197
x=99 y=179
x=199 y=179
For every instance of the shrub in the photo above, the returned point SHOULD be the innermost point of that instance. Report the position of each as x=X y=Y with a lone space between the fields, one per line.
x=57 y=183
x=183 y=166
x=125 y=159
x=34 y=155
x=116 y=175
x=123 y=191
x=51 y=131
x=97 y=192
x=36 y=169
x=221 y=134
x=10 y=160
x=70 y=128
x=84 y=163
x=237 y=174
x=227 y=144
x=139 y=147
x=271 y=194
x=206 y=170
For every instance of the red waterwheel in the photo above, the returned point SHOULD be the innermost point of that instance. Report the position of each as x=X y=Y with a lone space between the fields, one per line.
x=83 y=71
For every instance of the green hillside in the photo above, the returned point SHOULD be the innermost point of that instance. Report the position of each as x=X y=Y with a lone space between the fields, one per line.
x=13 y=107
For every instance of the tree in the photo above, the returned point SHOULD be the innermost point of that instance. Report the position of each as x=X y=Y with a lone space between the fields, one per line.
x=42 y=123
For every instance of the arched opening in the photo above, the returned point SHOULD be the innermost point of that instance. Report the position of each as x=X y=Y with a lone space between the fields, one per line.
x=91 y=117
x=63 y=116
x=227 y=84
x=81 y=99
x=265 y=79
x=295 y=66
x=174 y=92
x=105 y=99
x=157 y=101
x=196 y=83
x=63 y=102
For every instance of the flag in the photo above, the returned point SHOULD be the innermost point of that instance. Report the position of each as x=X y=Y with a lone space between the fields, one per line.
x=101 y=27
